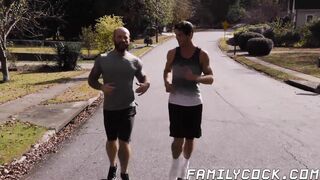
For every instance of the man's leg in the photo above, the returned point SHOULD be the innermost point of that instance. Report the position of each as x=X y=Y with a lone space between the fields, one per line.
x=124 y=155
x=187 y=151
x=112 y=150
x=188 y=148
x=176 y=149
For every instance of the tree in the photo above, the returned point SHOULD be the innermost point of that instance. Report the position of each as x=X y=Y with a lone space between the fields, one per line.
x=21 y=16
x=159 y=12
x=183 y=10
x=104 y=29
x=270 y=8
x=88 y=37
x=235 y=13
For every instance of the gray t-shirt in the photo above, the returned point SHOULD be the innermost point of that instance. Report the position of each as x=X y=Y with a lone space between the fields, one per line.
x=120 y=71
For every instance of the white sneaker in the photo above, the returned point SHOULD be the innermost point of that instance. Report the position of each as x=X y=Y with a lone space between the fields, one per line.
x=184 y=169
x=174 y=170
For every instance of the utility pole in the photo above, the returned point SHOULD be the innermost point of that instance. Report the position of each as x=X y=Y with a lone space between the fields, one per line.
x=157 y=16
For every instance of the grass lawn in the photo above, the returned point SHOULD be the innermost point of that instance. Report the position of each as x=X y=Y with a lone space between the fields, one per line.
x=269 y=71
x=22 y=84
x=161 y=39
x=16 y=139
x=301 y=62
x=298 y=59
x=45 y=50
x=223 y=44
x=80 y=92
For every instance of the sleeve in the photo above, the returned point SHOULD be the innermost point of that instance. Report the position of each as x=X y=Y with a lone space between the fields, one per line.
x=95 y=75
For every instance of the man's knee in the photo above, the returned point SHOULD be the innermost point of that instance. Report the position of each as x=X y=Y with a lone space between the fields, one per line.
x=124 y=144
x=177 y=143
x=111 y=144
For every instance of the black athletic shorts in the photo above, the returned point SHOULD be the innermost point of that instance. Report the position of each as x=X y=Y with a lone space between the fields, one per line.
x=185 y=121
x=119 y=123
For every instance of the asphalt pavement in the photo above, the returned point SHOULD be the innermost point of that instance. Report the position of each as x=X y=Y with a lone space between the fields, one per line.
x=249 y=121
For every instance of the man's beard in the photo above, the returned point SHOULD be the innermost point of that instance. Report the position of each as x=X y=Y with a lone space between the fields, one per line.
x=121 y=47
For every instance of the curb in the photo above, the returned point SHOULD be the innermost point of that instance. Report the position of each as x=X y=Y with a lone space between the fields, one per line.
x=305 y=85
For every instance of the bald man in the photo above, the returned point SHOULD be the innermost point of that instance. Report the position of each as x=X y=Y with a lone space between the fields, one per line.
x=118 y=69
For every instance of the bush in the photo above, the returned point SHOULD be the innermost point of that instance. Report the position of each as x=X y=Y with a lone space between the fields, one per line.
x=148 y=40
x=285 y=33
x=88 y=38
x=259 y=46
x=245 y=37
x=269 y=34
x=68 y=54
x=287 y=38
x=315 y=29
x=258 y=28
x=104 y=31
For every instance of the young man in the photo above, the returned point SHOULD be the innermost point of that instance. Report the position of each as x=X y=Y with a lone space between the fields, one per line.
x=188 y=66
x=118 y=69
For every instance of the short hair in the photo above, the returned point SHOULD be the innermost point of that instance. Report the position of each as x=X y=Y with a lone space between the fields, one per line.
x=184 y=26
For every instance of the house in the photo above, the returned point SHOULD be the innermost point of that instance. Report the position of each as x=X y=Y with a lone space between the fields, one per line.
x=302 y=11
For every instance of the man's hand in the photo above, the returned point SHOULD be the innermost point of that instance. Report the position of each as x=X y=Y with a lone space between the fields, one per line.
x=190 y=76
x=107 y=88
x=169 y=87
x=143 y=87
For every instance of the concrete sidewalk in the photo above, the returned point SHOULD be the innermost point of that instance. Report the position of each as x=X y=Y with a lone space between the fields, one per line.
x=53 y=117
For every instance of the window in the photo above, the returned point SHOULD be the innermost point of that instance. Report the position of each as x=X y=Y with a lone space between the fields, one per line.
x=309 y=18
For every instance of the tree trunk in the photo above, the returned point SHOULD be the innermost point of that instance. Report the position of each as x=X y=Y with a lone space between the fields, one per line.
x=4 y=67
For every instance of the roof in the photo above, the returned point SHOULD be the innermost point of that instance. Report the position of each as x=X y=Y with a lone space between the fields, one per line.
x=307 y=4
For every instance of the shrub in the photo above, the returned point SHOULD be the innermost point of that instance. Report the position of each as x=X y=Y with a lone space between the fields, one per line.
x=315 y=29
x=68 y=54
x=285 y=33
x=104 y=31
x=245 y=37
x=287 y=38
x=258 y=28
x=259 y=46
x=88 y=37
x=269 y=33
x=148 y=40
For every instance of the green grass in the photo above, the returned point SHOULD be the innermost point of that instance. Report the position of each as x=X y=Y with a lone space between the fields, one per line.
x=32 y=50
x=22 y=84
x=141 y=51
x=301 y=62
x=223 y=44
x=81 y=92
x=161 y=39
x=45 y=50
x=269 y=71
x=16 y=139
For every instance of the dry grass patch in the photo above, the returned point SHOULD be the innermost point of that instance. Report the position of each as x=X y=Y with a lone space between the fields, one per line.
x=16 y=139
x=161 y=38
x=269 y=71
x=80 y=92
x=301 y=62
x=22 y=84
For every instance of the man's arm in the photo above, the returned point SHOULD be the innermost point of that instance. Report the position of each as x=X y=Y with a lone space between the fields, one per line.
x=143 y=80
x=167 y=70
x=94 y=76
x=207 y=78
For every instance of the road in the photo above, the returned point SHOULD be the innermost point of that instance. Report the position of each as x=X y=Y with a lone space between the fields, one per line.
x=249 y=121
